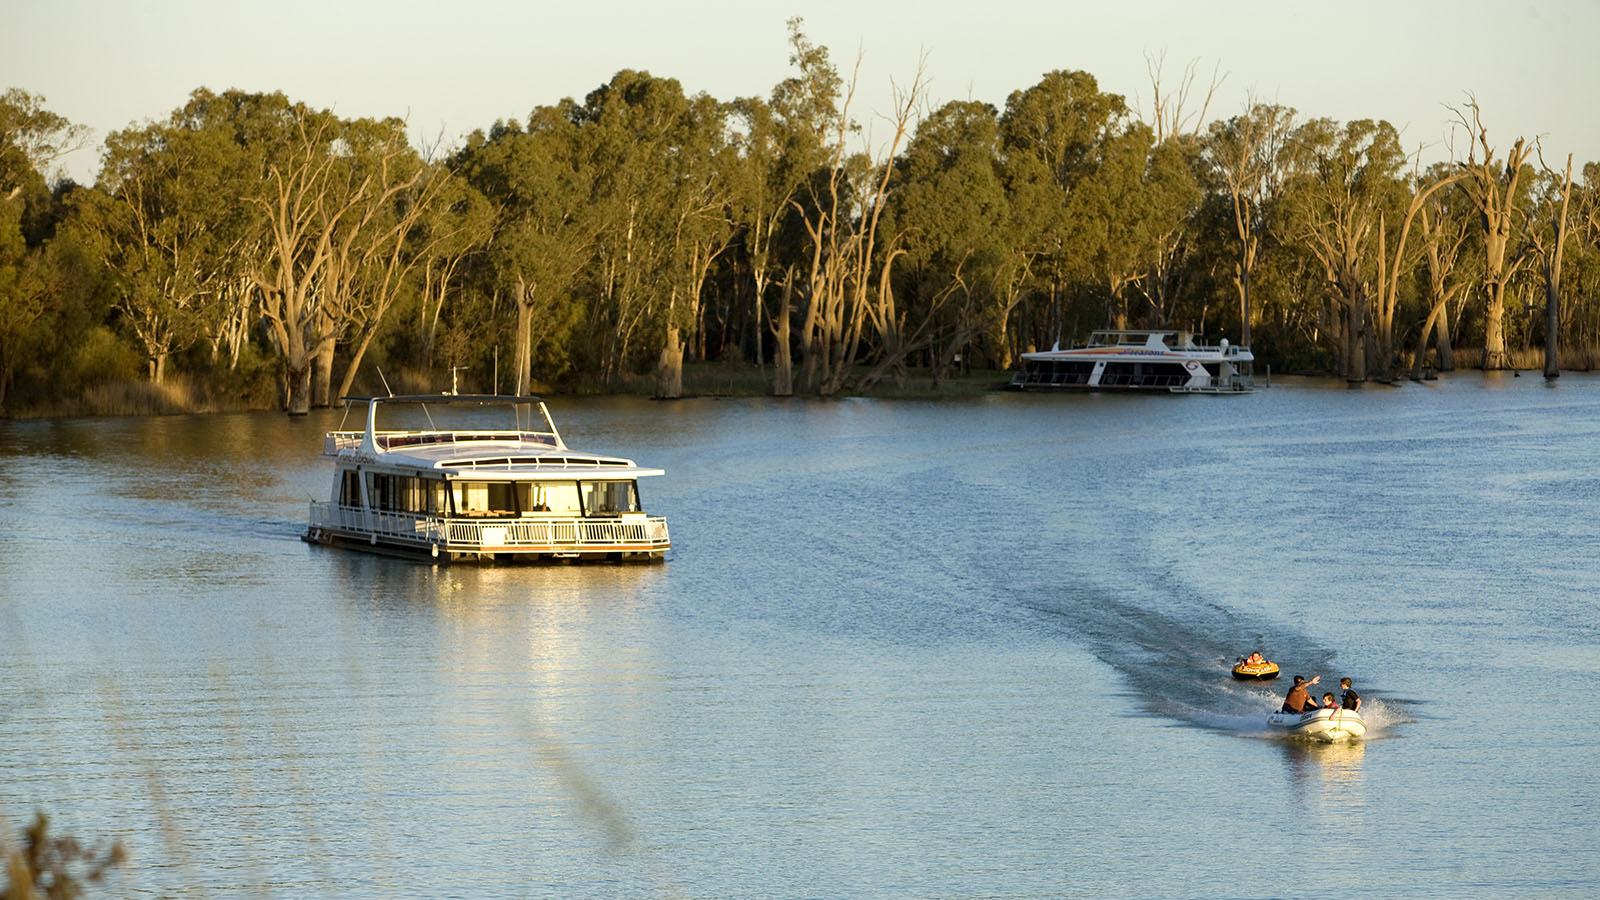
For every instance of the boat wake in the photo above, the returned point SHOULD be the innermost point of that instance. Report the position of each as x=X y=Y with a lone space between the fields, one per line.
x=1177 y=664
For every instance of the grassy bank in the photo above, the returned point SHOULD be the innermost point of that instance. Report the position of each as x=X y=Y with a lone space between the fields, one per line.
x=138 y=398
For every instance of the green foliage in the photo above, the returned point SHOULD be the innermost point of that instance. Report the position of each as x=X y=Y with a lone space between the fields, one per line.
x=250 y=242
x=99 y=357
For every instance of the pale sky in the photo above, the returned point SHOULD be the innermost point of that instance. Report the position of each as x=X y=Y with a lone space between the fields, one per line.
x=452 y=66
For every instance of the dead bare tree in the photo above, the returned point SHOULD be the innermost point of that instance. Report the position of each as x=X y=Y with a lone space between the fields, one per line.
x=842 y=227
x=1442 y=239
x=1167 y=116
x=1494 y=192
x=1389 y=275
x=383 y=263
x=1548 y=247
x=315 y=205
x=875 y=304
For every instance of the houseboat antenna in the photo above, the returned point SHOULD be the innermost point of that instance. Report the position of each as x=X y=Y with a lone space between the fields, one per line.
x=384 y=380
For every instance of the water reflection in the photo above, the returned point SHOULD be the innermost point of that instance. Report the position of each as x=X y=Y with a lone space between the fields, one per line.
x=527 y=670
x=1335 y=769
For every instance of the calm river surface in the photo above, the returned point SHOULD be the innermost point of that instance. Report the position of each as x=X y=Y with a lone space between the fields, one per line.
x=899 y=650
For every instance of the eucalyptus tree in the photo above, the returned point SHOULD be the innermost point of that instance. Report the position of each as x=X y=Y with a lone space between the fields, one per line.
x=1397 y=261
x=457 y=230
x=1136 y=202
x=1174 y=200
x=1546 y=229
x=949 y=216
x=814 y=210
x=660 y=200
x=1173 y=183
x=858 y=317
x=1588 y=207
x=702 y=231
x=1346 y=182
x=24 y=303
x=326 y=198
x=760 y=194
x=1048 y=135
x=817 y=237
x=1355 y=212
x=166 y=224
x=1497 y=191
x=781 y=145
x=150 y=261
x=811 y=111
x=377 y=241
x=1109 y=207
x=434 y=220
x=198 y=166
x=1445 y=228
x=32 y=138
x=1246 y=159
x=301 y=200
x=1586 y=262
x=544 y=228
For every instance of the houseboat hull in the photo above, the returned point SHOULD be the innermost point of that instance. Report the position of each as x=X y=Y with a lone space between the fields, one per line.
x=549 y=552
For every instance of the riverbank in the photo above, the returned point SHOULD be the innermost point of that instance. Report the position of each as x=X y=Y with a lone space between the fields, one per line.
x=184 y=396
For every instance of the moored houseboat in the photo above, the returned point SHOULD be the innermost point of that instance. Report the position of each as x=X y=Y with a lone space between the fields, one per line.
x=1165 y=361
x=475 y=494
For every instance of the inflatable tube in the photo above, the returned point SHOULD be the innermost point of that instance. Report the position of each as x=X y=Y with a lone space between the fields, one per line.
x=1261 y=671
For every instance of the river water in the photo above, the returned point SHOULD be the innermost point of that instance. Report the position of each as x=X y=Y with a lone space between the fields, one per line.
x=958 y=649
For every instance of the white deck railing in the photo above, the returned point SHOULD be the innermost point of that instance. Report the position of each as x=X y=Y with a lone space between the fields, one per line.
x=334 y=441
x=541 y=534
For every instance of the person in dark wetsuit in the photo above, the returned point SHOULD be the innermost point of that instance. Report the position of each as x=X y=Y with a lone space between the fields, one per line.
x=1299 y=699
x=1351 y=700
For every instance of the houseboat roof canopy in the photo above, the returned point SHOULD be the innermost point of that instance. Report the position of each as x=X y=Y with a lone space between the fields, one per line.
x=463 y=399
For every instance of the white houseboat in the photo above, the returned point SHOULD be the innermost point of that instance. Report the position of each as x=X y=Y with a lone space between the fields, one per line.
x=468 y=493
x=1168 y=361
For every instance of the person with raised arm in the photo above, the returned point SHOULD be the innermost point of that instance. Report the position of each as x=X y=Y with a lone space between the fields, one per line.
x=1299 y=699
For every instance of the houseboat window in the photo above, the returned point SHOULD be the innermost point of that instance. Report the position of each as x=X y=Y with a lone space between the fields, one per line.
x=398 y=493
x=609 y=498
x=485 y=498
x=556 y=498
x=1058 y=371
x=350 y=488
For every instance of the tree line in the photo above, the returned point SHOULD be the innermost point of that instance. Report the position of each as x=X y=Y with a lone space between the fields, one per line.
x=254 y=243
